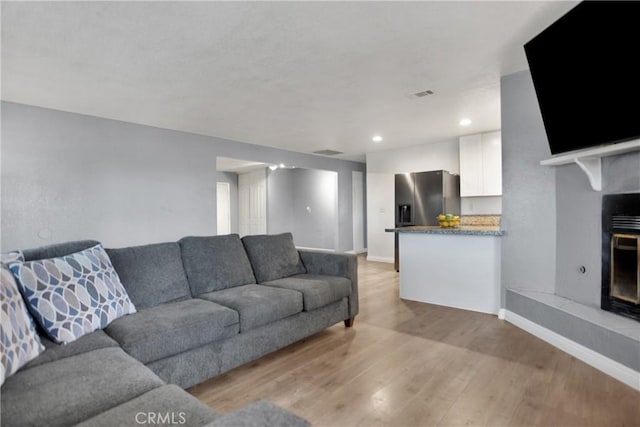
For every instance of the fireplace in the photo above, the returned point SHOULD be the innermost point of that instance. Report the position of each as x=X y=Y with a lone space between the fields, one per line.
x=621 y=254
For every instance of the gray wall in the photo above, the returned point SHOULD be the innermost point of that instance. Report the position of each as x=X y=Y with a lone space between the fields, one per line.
x=232 y=179
x=551 y=214
x=68 y=176
x=579 y=224
x=290 y=192
x=314 y=227
x=280 y=201
x=553 y=223
x=529 y=193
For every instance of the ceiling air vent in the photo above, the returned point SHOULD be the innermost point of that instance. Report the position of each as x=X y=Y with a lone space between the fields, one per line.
x=328 y=152
x=424 y=93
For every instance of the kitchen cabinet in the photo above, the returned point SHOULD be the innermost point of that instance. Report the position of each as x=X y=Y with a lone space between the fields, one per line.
x=481 y=165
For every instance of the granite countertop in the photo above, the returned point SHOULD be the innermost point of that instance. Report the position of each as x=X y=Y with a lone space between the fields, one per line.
x=467 y=230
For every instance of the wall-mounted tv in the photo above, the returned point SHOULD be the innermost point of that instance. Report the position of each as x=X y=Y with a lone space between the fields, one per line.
x=586 y=72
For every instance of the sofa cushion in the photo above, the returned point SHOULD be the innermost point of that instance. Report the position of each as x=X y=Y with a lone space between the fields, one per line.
x=93 y=341
x=215 y=263
x=273 y=256
x=257 y=304
x=19 y=341
x=317 y=290
x=152 y=274
x=73 y=295
x=166 y=405
x=72 y=389
x=167 y=329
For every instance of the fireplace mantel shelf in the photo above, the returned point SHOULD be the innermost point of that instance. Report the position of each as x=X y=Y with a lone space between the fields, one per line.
x=590 y=159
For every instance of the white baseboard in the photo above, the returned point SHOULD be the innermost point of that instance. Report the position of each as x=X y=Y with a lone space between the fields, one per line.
x=602 y=363
x=358 y=252
x=379 y=259
x=502 y=313
x=305 y=248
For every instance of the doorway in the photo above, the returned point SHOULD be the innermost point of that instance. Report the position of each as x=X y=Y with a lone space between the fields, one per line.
x=223 y=198
x=252 y=202
x=270 y=198
x=357 y=179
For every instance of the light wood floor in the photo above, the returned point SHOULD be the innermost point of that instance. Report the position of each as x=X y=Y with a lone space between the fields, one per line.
x=411 y=364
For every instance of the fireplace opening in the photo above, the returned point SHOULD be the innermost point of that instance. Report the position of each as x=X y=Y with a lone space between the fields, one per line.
x=625 y=277
x=621 y=254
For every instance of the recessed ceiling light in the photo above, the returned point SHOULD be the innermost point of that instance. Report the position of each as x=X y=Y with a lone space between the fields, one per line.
x=465 y=122
x=377 y=138
x=273 y=167
x=282 y=165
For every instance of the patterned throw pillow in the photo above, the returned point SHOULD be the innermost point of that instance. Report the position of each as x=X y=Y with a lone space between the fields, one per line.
x=19 y=341
x=73 y=295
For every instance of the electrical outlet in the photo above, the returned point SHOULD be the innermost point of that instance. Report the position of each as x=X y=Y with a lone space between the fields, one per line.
x=44 y=234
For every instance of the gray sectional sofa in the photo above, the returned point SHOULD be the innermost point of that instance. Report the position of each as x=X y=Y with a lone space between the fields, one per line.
x=205 y=305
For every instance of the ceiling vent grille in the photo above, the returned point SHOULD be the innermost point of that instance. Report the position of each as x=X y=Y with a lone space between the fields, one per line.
x=328 y=152
x=424 y=93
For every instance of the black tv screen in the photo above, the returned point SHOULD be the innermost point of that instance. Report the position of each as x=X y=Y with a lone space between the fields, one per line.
x=586 y=73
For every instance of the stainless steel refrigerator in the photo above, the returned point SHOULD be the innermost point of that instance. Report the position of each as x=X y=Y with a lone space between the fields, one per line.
x=421 y=196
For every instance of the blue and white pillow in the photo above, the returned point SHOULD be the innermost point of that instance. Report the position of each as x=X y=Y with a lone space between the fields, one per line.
x=73 y=295
x=19 y=341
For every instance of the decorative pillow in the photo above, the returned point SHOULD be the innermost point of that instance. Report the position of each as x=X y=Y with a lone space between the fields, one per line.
x=9 y=257
x=19 y=341
x=73 y=295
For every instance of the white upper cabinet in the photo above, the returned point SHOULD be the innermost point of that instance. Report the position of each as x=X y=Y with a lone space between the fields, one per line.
x=492 y=164
x=471 y=165
x=481 y=165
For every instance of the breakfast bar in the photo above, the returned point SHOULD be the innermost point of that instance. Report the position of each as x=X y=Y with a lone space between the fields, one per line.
x=455 y=267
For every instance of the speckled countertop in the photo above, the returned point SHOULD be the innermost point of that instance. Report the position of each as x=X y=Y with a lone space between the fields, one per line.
x=471 y=225
x=468 y=230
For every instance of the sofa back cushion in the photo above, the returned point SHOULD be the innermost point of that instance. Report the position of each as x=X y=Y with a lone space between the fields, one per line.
x=151 y=274
x=57 y=250
x=215 y=263
x=273 y=256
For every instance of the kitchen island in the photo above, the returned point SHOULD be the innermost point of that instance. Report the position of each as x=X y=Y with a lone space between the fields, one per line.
x=456 y=267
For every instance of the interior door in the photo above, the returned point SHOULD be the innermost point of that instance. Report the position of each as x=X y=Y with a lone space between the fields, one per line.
x=223 y=198
x=252 y=202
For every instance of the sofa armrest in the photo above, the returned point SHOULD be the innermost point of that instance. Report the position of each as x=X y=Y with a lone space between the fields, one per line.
x=259 y=414
x=334 y=264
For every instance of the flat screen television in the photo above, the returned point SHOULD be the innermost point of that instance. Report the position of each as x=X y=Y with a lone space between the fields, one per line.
x=586 y=73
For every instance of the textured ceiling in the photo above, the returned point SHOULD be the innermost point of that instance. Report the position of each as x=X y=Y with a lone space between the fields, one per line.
x=300 y=76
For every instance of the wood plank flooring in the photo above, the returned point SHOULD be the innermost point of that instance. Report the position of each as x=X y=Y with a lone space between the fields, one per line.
x=411 y=364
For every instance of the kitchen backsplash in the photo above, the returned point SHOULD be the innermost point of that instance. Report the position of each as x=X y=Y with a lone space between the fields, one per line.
x=492 y=220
